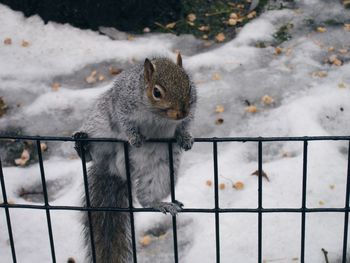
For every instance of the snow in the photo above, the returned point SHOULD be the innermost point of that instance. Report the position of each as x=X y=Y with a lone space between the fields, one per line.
x=304 y=105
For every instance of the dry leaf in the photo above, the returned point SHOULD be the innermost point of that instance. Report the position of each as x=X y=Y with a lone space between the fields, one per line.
x=251 y=109
x=204 y=28
x=219 y=109
x=262 y=173
x=335 y=61
x=25 y=156
x=330 y=49
x=43 y=146
x=278 y=50
x=145 y=240
x=216 y=76
x=219 y=121
x=101 y=77
x=232 y=22
x=343 y=51
x=238 y=185
x=24 y=43
x=209 y=183
x=233 y=16
x=191 y=17
x=3 y=107
x=55 y=86
x=267 y=100
x=251 y=15
x=347 y=27
x=8 y=41
x=320 y=74
x=92 y=77
x=222 y=186
x=114 y=71
x=220 y=37
x=171 y=25
x=146 y=30
x=321 y=29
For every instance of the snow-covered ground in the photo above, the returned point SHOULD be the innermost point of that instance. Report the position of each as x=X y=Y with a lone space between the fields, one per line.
x=311 y=97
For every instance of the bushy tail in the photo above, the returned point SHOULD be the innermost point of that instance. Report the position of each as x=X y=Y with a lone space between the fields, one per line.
x=111 y=229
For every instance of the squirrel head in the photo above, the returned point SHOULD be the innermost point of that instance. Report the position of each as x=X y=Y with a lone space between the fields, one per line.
x=168 y=87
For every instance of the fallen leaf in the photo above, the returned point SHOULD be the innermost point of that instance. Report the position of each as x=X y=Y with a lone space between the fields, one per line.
x=92 y=78
x=232 y=22
x=320 y=74
x=219 y=109
x=8 y=41
x=262 y=173
x=220 y=37
x=222 y=186
x=43 y=146
x=3 y=107
x=233 y=16
x=267 y=100
x=145 y=240
x=114 y=71
x=321 y=29
x=209 y=183
x=25 y=156
x=219 y=121
x=204 y=28
x=251 y=15
x=251 y=109
x=191 y=17
x=238 y=185
x=278 y=50
x=216 y=76
x=24 y=43
x=171 y=25
x=55 y=86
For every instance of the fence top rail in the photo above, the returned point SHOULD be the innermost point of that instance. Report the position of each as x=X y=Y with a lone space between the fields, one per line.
x=202 y=139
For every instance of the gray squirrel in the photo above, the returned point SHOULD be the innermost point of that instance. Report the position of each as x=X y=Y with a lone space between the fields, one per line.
x=154 y=99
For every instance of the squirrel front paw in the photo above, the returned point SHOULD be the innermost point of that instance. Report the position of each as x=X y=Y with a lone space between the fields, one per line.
x=184 y=140
x=136 y=139
x=172 y=208
x=79 y=145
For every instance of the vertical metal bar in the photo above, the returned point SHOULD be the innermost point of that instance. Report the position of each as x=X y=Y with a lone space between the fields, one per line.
x=7 y=213
x=216 y=195
x=87 y=197
x=128 y=177
x=172 y=187
x=303 y=213
x=260 y=202
x=46 y=200
x=346 y=216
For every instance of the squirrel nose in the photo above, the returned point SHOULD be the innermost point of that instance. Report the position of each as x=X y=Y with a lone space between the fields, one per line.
x=177 y=114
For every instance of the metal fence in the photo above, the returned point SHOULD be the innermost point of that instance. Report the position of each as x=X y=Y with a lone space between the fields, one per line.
x=303 y=210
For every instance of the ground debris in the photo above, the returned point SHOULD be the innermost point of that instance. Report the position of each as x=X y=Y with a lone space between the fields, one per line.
x=3 y=107
x=262 y=173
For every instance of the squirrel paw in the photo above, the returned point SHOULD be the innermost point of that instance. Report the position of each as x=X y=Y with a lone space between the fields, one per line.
x=172 y=208
x=137 y=139
x=81 y=144
x=184 y=140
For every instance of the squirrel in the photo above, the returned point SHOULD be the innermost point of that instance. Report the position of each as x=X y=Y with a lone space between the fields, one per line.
x=154 y=99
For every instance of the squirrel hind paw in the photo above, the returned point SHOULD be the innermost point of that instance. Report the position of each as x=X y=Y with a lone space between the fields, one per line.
x=136 y=140
x=185 y=141
x=82 y=145
x=167 y=207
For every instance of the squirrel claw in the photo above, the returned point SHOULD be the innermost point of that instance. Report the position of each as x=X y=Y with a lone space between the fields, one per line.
x=136 y=140
x=185 y=140
x=79 y=145
x=172 y=208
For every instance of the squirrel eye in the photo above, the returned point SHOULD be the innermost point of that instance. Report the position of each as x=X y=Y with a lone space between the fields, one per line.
x=157 y=93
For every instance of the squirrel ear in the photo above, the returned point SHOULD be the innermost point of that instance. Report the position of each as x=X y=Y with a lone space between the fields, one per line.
x=179 y=59
x=148 y=69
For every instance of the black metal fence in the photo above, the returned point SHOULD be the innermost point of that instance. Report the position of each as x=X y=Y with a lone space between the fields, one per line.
x=303 y=210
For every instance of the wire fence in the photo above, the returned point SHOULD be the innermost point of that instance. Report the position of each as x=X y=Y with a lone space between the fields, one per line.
x=260 y=210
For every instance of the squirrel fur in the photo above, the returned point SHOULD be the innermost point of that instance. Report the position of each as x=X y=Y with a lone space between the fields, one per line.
x=154 y=99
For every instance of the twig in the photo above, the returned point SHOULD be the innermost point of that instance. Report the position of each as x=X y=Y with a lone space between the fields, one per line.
x=217 y=13
x=164 y=27
x=325 y=252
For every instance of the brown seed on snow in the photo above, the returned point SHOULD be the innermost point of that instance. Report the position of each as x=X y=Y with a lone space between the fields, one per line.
x=114 y=71
x=216 y=76
x=220 y=37
x=330 y=49
x=219 y=121
x=70 y=260
x=238 y=185
x=25 y=156
x=24 y=43
x=55 y=86
x=320 y=74
x=233 y=16
x=267 y=100
x=219 y=109
x=222 y=186
x=191 y=17
x=278 y=50
x=209 y=183
x=232 y=22
x=145 y=240
x=204 y=28
x=343 y=51
x=8 y=41
x=251 y=109
x=101 y=77
x=205 y=37
x=347 y=27
x=146 y=30
x=321 y=29
x=251 y=15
